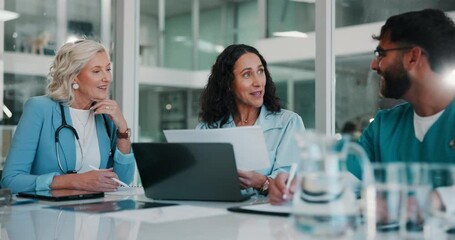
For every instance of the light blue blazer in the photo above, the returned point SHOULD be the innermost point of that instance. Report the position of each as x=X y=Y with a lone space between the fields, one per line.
x=279 y=132
x=31 y=163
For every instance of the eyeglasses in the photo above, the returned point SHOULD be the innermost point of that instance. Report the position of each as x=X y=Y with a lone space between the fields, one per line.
x=379 y=53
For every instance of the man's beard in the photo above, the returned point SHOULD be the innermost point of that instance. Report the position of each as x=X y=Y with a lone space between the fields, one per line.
x=396 y=82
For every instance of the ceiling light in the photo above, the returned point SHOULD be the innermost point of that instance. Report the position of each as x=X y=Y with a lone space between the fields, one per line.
x=290 y=34
x=7 y=15
x=72 y=39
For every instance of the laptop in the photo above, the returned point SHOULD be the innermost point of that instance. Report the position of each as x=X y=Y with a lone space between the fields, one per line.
x=188 y=171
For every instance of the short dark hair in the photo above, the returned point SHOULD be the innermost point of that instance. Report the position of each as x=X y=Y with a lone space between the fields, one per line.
x=217 y=100
x=430 y=29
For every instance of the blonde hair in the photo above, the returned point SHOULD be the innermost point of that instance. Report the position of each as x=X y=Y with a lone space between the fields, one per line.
x=67 y=64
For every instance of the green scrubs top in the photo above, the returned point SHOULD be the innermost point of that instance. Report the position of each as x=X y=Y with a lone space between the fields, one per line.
x=391 y=137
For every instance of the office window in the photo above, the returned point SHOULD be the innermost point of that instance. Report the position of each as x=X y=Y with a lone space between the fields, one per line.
x=85 y=22
x=357 y=86
x=149 y=34
x=284 y=16
x=178 y=35
x=36 y=28
x=166 y=108
x=295 y=78
x=30 y=42
x=216 y=31
x=172 y=104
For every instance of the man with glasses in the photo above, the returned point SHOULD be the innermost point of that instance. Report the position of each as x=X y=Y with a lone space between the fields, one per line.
x=414 y=58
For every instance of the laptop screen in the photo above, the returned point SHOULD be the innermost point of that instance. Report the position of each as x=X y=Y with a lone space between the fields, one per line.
x=188 y=171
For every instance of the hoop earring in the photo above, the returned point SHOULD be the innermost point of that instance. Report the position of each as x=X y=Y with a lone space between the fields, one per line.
x=75 y=86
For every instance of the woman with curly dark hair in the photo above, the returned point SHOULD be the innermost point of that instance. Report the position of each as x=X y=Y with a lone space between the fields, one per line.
x=240 y=92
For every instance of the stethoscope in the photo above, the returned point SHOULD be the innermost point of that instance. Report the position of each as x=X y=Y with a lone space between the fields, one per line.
x=73 y=130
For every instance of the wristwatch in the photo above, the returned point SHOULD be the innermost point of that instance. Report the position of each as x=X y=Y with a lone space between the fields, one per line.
x=124 y=135
x=265 y=186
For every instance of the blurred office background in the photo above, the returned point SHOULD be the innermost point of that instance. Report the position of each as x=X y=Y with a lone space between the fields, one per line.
x=175 y=42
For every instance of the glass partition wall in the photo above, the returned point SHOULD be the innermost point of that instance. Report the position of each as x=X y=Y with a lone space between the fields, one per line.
x=195 y=32
x=290 y=22
x=30 y=42
x=183 y=46
x=357 y=86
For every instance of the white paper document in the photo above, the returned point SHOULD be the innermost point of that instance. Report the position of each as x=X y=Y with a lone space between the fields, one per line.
x=132 y=190
x=249 y=145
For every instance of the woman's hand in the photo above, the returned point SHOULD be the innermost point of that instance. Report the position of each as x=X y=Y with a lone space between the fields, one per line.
x=96 y=181
x=111 y=108
x=251 y=179
x=278 y=189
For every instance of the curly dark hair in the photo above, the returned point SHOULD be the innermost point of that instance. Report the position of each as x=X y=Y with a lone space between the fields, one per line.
x=430 y=29
x=217 y=100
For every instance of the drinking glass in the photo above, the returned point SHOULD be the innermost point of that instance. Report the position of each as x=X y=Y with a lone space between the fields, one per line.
x=436 y=200
x=419 y=187
x=386 y=198
x=410 y=200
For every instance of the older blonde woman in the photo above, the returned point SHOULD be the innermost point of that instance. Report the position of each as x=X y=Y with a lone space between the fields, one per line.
x=74 y=128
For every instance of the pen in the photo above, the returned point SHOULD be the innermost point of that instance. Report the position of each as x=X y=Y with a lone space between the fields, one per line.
x=291 y=176
x=115 y=179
